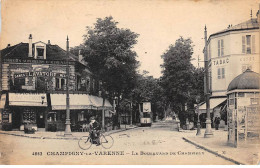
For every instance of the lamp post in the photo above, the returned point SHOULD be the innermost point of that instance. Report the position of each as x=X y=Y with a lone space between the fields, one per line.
x=198 y=111
x=208 y=132
x=67 y=123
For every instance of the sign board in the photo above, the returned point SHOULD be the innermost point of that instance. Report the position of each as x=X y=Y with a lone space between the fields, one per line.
x=2 y=101
x=147 y=107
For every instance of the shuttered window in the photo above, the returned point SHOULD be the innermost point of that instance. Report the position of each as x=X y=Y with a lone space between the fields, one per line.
x=243 y=44
x=253 y=43
x=222 y=47
x=219 y=48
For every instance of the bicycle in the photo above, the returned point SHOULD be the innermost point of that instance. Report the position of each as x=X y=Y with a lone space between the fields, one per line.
x=86 y=142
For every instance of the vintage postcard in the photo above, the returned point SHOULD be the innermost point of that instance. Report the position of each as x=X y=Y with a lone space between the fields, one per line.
x=140 y=82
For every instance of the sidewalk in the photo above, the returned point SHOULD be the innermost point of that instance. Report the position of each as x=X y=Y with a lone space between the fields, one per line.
x=246 y=154
x=60 y=134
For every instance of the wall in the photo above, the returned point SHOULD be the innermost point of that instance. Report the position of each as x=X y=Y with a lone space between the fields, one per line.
x=233 y=59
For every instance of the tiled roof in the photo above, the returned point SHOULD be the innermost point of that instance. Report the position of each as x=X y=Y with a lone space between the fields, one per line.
x=250 y=24
x=20 y=51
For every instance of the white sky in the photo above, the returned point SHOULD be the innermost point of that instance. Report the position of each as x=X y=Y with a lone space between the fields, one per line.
x=159 y=22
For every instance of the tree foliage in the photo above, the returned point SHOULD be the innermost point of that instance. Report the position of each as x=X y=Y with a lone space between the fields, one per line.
x=181 y=81
x=108 y=51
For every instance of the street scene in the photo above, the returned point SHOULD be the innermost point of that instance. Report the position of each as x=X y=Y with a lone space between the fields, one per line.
x=140 y=82
x=135 y=146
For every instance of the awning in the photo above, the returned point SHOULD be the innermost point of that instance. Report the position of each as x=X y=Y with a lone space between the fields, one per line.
x=214 y=102
x=2 y=101
x=28 y=99
x=98 y=102
x=77 y=101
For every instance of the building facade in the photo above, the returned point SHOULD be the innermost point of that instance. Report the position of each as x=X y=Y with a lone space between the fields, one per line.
x=230 y=52
x=33 y=83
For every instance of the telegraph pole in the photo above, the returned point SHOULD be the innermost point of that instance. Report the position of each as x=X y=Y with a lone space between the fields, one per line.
x=67 y=123
x=208 y=132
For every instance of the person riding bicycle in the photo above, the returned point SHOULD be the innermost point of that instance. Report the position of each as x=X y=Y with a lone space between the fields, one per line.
x=95 y=130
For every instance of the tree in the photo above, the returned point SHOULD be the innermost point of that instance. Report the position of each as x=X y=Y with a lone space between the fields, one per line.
x=177 y=79
x=108 y=51
x=149 y=89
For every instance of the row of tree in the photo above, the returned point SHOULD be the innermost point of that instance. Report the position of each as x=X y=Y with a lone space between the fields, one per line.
x=108 y=51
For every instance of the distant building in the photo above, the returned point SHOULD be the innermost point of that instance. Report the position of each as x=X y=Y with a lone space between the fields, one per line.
x=230 y=52
x=33 y=83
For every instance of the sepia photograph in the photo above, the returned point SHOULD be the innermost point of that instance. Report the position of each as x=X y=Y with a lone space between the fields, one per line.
x=140 y=82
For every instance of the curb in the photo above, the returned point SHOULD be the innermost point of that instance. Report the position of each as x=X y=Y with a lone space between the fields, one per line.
x=208 y=149
x=62 y=138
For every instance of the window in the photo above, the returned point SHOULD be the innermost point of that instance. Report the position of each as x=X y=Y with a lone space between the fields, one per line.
x=40 y=53
x=245 y=67
x=248 y=44
x=87 y=84
x=60 y=83
x=220 y=47
x=221 y=73
x=93 y=84
x=18 y=83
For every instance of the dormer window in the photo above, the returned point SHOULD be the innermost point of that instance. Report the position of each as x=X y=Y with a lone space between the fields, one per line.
x=39 y=50
x=40 y=53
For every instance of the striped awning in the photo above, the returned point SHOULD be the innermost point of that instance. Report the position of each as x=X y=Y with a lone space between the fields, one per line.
x=76 y=101
x=98 y=102
x=28 y=99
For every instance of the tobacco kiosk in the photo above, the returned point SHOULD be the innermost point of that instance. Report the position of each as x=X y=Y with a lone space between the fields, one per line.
x=243 y=109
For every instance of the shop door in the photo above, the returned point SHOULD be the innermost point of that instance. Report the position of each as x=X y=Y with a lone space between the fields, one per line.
x=40 y=120
x=16 y=118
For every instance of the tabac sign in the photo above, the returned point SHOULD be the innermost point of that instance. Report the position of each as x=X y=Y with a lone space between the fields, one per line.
x=39 y=73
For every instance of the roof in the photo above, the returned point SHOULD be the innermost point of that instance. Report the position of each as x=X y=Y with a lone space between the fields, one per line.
x=246 y=80
x=20 y=51
x=249 y=24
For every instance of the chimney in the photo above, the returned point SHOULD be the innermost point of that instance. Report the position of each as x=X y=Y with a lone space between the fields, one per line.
x=49 y=41
x=80 y=56
x=30 y=46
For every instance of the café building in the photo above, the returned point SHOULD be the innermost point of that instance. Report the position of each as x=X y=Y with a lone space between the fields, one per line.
x=33 y=83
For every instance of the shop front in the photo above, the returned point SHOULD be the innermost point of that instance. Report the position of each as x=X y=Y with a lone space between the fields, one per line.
x=25 y=109
x=80 y=112
x=108 y=111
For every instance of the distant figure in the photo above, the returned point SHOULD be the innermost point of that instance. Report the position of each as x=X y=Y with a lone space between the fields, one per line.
x=95 y=130
x=217 y=122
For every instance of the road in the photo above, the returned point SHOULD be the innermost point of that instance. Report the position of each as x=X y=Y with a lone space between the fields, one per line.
x=156 y=145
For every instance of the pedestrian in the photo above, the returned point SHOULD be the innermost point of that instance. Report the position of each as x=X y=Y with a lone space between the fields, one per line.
x=217 y=122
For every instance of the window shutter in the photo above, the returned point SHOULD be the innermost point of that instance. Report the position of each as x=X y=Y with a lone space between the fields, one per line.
x=243 y=44
x=253 y=44
x=219 y=74
x=223 y=72
x=222 y=47
x=218 y=47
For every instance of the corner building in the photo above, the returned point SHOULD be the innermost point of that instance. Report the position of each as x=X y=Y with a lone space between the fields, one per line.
x=33 y=82
x=230 y=52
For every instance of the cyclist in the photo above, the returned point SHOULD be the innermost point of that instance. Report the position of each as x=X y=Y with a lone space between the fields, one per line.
x=95 y=130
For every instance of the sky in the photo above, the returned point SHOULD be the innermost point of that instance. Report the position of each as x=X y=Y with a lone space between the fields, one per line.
x=159 y=23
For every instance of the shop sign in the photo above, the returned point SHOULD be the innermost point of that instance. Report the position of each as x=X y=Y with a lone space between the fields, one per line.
x=221 y=61
x=35 y=61
x=39 y=73
x=6 y=117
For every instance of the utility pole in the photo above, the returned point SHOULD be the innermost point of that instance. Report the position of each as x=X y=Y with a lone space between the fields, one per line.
x=198 y=61
x=208 y=132
x=67 y=123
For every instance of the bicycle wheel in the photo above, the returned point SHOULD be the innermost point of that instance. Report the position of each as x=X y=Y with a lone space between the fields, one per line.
x=85 y=142
x=106 y=141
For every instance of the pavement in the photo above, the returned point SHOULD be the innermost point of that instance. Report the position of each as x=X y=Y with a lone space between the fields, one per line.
x=245 y=154
x=60 y=134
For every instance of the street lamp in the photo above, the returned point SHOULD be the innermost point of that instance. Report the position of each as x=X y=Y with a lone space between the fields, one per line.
x=198 y=111
x=208 y=132
x=67 y=123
